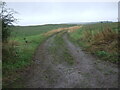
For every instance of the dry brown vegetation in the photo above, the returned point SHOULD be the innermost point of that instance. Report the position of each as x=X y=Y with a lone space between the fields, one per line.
x=9 y=49
x=69 y=29
x=101 y=40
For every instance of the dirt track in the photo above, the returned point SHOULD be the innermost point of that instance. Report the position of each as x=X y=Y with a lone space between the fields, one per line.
x=87 y=71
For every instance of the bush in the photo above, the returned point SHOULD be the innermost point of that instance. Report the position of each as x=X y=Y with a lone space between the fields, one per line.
x=7 y=18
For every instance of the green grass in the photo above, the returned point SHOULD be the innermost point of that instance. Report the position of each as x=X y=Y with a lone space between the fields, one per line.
x=65 y=53
x=25 y=52
x=59 y=51
x=99 y=39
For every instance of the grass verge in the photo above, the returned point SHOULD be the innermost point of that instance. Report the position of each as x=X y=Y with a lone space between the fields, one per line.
x=99 y=39
x=21 y=56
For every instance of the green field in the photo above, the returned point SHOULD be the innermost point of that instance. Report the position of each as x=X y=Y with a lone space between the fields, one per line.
x=99 y=39
x=21 y=47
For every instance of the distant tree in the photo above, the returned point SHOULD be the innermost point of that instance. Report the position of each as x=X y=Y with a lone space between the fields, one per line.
x=7 y=19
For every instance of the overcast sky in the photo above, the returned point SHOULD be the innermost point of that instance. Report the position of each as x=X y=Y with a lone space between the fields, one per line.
x=37 y=13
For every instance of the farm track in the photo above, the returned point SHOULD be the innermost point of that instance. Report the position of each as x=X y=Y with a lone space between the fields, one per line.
x=87 y=71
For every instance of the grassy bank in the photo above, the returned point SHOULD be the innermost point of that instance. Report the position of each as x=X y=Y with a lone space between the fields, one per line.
x=19 y=50
x=100 y=39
